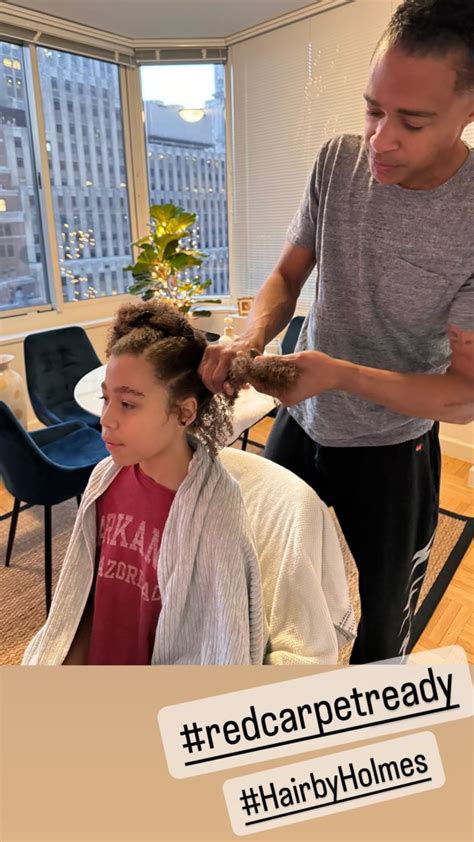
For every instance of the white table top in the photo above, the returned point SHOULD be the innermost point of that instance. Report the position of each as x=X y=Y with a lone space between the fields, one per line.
x=249 y=407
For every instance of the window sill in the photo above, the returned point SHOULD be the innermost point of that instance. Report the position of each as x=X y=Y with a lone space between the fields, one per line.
x=89 y=314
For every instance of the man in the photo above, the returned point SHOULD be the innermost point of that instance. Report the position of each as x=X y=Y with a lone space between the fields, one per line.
x=388 y=347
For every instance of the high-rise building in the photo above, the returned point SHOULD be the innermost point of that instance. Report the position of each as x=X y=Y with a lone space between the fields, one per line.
x=22 y=275
x=187 y=166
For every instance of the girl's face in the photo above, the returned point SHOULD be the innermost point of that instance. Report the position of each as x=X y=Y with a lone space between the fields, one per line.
x=137 y=425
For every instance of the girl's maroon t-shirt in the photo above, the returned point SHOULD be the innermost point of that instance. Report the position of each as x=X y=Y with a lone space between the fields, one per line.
x=131 y=516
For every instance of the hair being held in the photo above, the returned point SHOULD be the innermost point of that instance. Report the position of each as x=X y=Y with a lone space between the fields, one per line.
x=174 y=348
x=270 y=372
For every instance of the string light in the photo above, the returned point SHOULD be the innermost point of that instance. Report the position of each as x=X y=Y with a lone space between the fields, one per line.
x=73 y=248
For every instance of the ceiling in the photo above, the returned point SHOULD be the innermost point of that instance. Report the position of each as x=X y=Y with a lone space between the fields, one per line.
x=166 y=18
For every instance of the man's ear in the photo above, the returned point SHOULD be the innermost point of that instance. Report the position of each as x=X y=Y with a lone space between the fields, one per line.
x=187 y=411
x=470 y=115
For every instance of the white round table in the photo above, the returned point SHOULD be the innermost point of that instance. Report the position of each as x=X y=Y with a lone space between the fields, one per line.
x=251 y=406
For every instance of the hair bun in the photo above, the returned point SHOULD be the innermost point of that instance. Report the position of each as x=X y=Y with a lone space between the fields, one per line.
x=153 y=321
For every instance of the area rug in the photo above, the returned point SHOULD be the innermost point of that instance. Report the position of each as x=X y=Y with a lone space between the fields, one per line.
x=22 y=609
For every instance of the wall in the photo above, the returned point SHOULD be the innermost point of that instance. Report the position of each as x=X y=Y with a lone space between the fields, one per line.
x=458 y=440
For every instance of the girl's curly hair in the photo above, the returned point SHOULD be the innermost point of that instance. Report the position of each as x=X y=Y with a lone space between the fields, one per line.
x=175 y=349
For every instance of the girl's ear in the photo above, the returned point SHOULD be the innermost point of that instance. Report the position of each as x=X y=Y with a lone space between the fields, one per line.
x=187 y=411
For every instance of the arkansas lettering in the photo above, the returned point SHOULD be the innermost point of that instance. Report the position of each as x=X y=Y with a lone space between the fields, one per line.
x=137 y=549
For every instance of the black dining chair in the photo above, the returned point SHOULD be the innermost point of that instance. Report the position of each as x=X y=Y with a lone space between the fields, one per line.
x=44 y=468
x=55 y=360
x=288 y=343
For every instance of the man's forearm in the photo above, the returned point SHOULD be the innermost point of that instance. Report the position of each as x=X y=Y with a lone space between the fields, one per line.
x=442 y=397
x=271 y=311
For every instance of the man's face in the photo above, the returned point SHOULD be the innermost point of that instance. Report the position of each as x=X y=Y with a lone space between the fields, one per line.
x=414 y=119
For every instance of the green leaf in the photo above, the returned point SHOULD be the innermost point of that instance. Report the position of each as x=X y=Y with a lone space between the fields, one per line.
x=171 y=247
x=186 y=219
x=144 y=263
x=164 y=213
x=137 y=289
x=184 y=259
x=161 y=241
x=176 y=227
x=142 y=241
x=141 y=284
x=148 y=253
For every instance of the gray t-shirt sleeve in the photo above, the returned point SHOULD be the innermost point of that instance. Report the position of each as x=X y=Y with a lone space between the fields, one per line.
x=302 y=228
x=461 y=313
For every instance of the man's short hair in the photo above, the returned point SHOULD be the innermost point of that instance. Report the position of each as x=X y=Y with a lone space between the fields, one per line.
x=436 y=28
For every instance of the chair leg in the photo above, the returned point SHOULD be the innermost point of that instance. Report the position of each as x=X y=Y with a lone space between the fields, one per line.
x=47 y=556
x=245 y=437
x=11 y=534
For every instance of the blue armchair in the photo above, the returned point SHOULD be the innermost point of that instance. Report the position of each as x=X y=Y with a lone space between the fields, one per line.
x=44 y=468
x=55 y=360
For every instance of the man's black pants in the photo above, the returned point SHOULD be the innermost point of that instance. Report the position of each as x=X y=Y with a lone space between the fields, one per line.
x=386 y=500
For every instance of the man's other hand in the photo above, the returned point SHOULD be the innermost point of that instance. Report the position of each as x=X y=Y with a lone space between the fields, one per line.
x=216 y=363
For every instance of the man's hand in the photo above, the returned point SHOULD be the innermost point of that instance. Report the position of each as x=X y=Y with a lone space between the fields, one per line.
x=216 y=363
x=443 y=397
x=317 y=373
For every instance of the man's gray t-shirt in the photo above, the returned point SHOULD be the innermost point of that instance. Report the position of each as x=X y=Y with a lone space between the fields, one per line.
x=395 y=268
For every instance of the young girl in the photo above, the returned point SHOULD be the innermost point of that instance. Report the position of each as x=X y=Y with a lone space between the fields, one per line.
x=161 y=566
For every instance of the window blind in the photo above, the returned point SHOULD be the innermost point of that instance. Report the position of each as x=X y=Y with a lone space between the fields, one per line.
x=292 y=89
x=181 y=55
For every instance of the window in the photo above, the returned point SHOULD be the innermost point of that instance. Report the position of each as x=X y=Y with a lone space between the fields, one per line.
x=172 y=142
x=23 y=279
x=81 y=278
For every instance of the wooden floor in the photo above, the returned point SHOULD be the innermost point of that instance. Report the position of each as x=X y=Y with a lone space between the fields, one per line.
x=453 y=620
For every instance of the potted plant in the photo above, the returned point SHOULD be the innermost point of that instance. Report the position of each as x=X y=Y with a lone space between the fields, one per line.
x=164 y=256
